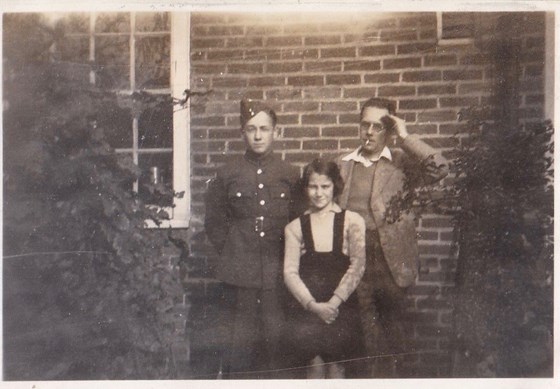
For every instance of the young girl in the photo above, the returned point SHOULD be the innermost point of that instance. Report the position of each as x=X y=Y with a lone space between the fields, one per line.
x=323 y=263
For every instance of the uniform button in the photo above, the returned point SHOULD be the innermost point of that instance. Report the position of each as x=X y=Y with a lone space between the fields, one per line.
x=259 y=171
x=238 y=194
x=261 y=186
x=262 y=234
x=282 y=195
x=262 y=202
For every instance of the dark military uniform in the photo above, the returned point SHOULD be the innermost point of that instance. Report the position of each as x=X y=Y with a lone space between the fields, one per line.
x=247 y=207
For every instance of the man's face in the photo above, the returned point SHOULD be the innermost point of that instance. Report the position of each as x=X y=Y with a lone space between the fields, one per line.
x=259 y=133
x=372 y=132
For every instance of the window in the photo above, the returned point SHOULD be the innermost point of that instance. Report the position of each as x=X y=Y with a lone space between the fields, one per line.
x=147 y=53
x=455 y=27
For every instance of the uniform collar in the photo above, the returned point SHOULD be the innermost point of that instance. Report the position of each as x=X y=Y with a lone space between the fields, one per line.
x=258 y=159
x=357 y=156
x=332 y=207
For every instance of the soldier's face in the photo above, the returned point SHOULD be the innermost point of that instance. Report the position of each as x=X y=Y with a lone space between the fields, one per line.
x=372 y=132
x=320 y=191
x=259 y=133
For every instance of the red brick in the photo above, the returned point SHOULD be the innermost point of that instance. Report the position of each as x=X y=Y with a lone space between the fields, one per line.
x=397 y=90
x=201 y=159
x=247 y=93
x=433 y=332
x=284 y=119
x=284 y=41
x=244 y=41
x=283 y=94
x=417 y=48
x=322 y=40
x=452 y=75
x=320 y=144
x=299 y=54
x=301 y=157
x=343 y=79
x=437 y=89
x=417 y=104
x=288 y=144
x=199 y=134
x=323 y=93
x=428 y=33
x=360 y=93
x=377 y=50
x=228 y=55
x=402 y=63
x=437 y=277
x=534 y=42
x=419 y=20
x=427 y=235
x=284 y=67
x=349 y=118
x=306 y=81
x=534 y=99
x=301 y=106
x=238 y=145
x=339 y=106
x=262 y=55
x=207 y=68
x=440 y=60
x=422 y=75
x=452 y=128
x=301 y=132
x=443 y=142
x=436 y=222
x=475 y=59
x=222 y=108
x=437 y=116
x=338 y=52
x=458 y=101
x=319 y=118
x=198 y=55
x=400 y=35
x=262 y=30
x=211 y=121
x=534 y=70
x=229 y=133
x=207 y=17
x=325 y=66
x=422 y=129
x=381 y=78
x=206 y=43
x=424 y=290
x=341 y=132
x=245 y=68
x=229 y=82
x=532 y=56
x=362 y=65
x=267 y=81
x=431 y=303
x=347 y=144
x=225 y=30
x=447 y=236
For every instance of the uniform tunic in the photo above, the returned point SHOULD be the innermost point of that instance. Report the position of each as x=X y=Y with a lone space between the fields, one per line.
x=247 y=206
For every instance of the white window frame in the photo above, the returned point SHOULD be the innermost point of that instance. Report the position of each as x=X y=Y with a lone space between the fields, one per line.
x=447 y=41
x=180 y=81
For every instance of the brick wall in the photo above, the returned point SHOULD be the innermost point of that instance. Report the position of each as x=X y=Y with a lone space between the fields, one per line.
x=315 y=69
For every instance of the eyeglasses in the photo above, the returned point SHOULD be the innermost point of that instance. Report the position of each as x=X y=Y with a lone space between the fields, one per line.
x=376 y=127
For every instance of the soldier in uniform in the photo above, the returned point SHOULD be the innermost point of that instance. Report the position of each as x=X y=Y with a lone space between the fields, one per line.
x=247 y=206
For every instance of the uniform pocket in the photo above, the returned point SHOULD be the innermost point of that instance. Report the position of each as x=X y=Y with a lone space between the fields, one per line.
x=240 y=202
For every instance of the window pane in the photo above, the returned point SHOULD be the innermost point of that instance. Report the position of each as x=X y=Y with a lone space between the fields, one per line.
x=151 y=21
x=112 y=54
x=74 y=23
x=75 y=49
x=152 y=62
x=116 y=123
x=457 y=25
x=155 y=127
x=156 y=168
x=112 y=22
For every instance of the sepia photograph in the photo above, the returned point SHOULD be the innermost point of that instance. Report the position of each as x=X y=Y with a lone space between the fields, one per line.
x=249 y=193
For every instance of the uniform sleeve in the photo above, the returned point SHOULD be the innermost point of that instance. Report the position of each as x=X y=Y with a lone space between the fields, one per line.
x=355 y=234
x=217 y=220
x=433 y=165
x=292 y=255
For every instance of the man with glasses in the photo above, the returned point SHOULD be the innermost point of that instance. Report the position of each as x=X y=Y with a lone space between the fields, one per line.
x=374 y=175
x=247 y=206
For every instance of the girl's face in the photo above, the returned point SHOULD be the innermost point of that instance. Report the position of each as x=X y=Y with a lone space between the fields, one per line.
x=320 y=191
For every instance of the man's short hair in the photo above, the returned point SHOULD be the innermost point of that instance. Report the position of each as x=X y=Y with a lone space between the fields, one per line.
x=389 y=105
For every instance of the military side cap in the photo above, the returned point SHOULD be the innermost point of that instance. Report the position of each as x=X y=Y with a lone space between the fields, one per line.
x=250 y=108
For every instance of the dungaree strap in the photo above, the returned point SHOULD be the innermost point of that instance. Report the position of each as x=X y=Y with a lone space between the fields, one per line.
x=338 y=233
x=305 y=222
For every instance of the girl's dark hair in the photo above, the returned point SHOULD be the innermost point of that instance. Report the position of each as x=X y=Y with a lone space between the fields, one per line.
x=327 y=168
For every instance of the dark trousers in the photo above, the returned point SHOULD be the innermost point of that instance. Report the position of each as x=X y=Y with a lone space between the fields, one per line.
x=255 y=326
x=382 y=306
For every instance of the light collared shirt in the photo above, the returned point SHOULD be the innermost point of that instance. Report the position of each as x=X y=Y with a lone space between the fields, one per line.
x=357 y=156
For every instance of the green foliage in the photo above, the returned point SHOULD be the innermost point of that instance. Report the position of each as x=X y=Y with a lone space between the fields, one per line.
x=68 y=195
